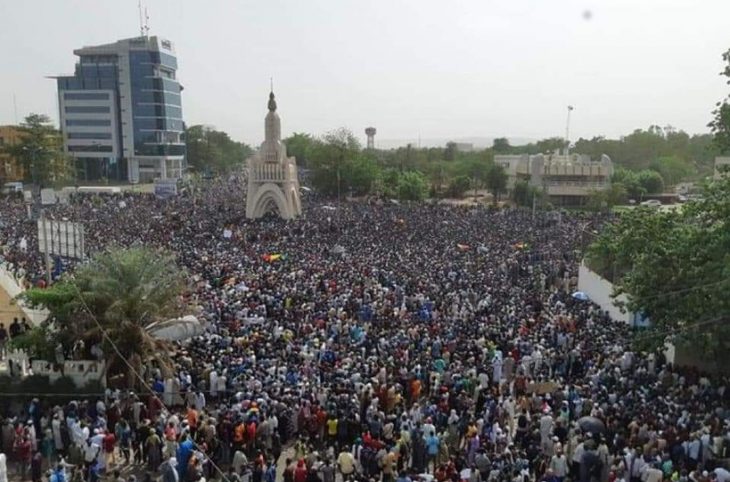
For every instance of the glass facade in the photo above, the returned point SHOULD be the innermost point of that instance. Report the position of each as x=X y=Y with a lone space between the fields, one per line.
x=156 y=105
x=143 y=86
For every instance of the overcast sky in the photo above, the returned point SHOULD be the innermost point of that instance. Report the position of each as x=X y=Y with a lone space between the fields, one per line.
x=438 y=68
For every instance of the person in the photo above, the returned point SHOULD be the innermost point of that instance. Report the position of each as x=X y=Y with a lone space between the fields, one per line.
x=58 y=474
x=403 y=477
x=432 y=445
x=3 y=341
x=36 y=467
x=15 y=328
x=327 y=471
x=169 y=470
x=345 y=464
x=558 y=466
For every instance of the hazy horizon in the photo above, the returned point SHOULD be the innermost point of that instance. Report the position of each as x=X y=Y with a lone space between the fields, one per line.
x=411 y=69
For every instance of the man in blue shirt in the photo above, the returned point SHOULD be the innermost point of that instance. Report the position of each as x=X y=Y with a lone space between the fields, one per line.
x=432 y=448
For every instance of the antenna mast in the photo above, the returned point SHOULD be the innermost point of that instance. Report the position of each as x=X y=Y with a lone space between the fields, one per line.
x=146 y=23
x=141 y=21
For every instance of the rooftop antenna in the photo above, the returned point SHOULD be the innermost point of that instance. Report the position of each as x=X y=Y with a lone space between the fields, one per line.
x=271 y=79
x=15 y=108
x=141 y=20
x=146 y=23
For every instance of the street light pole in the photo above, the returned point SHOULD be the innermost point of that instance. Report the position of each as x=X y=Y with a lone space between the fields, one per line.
x=567 y=131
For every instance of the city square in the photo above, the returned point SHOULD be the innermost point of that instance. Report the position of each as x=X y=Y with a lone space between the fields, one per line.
x=177 y=305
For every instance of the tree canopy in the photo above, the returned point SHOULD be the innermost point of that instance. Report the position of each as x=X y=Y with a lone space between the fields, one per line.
x=720 y=124
x=122 y=292
x=674 y=266
x=209 y=150
x=39 y=151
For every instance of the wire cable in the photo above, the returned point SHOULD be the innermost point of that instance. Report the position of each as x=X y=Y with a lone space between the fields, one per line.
x=106 y=336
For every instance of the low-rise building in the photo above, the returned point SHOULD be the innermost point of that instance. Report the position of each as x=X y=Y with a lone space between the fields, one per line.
x=567 y=179
x=722 y=163
x=10 y=168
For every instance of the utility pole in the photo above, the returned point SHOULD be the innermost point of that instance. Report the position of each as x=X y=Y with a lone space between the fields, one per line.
x=567 y=131
x=45 y=246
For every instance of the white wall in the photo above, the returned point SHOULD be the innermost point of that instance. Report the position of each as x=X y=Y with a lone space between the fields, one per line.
x=13 y=289
x=599 y=291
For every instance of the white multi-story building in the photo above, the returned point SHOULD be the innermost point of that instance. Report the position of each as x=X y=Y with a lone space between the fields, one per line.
x=565 y=178
x=121 y=113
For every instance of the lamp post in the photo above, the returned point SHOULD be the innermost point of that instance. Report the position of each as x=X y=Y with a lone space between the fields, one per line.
x=567 y=131
x=35 y=188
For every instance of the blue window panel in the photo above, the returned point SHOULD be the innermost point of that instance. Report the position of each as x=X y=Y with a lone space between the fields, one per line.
x=159 y=124
x=167 y=60
x=160 y=150
x=87 y=109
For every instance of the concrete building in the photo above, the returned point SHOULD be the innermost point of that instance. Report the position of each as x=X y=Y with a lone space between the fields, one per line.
x=566 y=179
x=120 y=112
x=10 y=167
x=721 y=164
x=464 y=146
x=273 y=182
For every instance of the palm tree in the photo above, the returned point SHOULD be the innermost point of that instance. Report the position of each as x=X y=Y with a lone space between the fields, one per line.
x=123 y=297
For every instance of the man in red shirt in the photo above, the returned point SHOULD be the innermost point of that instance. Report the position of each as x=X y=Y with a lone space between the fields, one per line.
x=109 y=443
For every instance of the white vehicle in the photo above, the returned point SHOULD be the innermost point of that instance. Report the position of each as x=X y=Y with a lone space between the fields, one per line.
x=652 y=203
x=12 y=187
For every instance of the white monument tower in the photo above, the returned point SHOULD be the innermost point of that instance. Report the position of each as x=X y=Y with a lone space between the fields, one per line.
x=273 y=185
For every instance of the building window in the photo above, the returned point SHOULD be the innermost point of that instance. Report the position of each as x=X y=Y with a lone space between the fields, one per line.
x=87 y=109
x=89 y=135
x=88 y=122
x=92 y=148
x=85 y=96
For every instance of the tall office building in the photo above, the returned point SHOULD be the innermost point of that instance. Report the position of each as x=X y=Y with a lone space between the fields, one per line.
x=121 y=114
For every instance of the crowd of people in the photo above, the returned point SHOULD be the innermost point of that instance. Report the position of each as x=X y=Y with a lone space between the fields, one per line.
x=370 y=341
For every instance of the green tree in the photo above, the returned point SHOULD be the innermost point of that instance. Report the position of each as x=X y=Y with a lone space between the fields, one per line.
x=361 y=174
x=127 y=293
x=330 y=158
x=299 y=145
x=616 y=194
x=212 y=151
x=458 y=186
x=501 y=145
x=39 y=151
x=597 y=201
x=630 y=181
x=672 y=169
x=720 y=124
x=496 y=181
x=651 y=181
x=412 y=186
x=38 y=342
x=477 y=171
x=674 y=267
x=552 y=145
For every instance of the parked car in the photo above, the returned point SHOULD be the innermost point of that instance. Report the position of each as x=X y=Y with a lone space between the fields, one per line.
x=12 y=187
x=652 y=203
